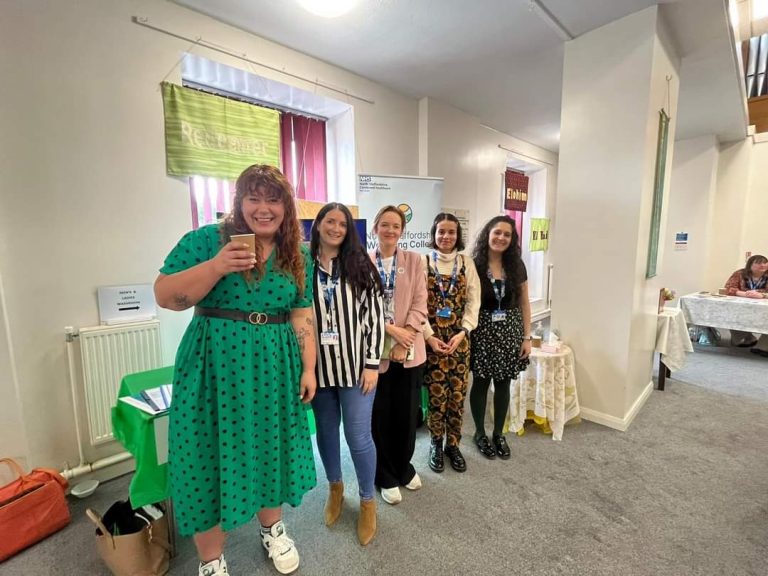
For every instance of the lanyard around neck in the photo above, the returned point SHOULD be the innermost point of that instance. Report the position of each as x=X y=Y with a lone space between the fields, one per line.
x=753 y=284
x=387 y=281
x=328 y=283
x=500 y=292
x=439 y=277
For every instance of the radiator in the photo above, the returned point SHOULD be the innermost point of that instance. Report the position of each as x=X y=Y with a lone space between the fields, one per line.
x=108 y=354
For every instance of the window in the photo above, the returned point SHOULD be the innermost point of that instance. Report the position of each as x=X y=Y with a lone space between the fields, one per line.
x=210 y=198
x=303 y=161
x=536 y=263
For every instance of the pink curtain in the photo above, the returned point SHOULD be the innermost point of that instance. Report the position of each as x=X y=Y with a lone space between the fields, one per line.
x=302 y=144
x=210 y=197
x=517 y=216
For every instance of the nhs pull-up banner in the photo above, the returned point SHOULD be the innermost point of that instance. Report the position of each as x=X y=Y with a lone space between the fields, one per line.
x=419 y=198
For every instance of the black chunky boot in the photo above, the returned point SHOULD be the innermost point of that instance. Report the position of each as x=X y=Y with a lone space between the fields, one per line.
x=436 y=461
x=456 y=458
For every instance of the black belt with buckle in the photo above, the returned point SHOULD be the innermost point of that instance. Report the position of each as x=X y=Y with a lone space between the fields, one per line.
x=258 y=318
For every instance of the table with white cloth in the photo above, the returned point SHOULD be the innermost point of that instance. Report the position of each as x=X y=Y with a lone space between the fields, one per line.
x=545 y=393
x=729 y=312
x=673 y=342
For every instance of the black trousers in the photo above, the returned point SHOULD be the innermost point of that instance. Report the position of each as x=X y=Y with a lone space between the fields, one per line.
x=395 y=408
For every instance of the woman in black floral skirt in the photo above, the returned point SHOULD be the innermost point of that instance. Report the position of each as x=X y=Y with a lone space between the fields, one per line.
x=501 y=343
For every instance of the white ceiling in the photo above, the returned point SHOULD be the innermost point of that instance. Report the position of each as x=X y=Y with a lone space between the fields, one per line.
x=503 y=63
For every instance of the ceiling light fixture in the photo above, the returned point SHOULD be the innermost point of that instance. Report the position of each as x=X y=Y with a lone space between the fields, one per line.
x=328 y=8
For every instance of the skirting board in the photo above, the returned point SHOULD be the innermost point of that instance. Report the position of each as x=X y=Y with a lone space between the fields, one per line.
x=621 y=424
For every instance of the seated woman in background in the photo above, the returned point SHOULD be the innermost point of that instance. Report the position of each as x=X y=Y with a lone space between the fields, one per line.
x=750 y=282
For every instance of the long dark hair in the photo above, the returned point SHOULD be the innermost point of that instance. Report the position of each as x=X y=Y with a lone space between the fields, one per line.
x=746 y=273
x=442 y=217
x=511 y=260
x=355 y=267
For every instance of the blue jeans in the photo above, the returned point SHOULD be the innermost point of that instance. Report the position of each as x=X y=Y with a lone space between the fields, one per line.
x=328 y=405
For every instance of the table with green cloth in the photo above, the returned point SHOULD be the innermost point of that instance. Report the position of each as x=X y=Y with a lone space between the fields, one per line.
x=136 y=430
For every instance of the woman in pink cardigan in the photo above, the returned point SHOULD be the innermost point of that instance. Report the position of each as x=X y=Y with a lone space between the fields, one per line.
x=396 y=404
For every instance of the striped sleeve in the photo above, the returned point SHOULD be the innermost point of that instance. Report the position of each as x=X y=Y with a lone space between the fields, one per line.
x=373 y=319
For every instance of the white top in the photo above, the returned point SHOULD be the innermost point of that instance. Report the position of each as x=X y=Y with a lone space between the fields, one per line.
x=445 y=267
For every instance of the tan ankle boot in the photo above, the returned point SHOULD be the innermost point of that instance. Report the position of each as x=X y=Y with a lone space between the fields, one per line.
x=333 y=504
x=366 y=523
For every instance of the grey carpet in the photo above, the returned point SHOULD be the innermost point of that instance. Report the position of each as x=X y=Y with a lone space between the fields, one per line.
x=733 y=371
x=683 y=492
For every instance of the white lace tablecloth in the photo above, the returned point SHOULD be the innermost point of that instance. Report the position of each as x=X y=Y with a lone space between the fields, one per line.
x=730 y=312
x=672 y=339
x=548 y=389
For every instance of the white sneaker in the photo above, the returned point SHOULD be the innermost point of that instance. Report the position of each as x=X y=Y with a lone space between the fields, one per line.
x=280 y=548
x=216 y=567
x=415 y=482
x=391 y=495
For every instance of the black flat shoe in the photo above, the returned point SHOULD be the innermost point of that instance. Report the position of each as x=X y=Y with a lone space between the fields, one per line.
x=484 y=445
x=456 y=458
x=759 y=352
x=502 y=449
x=436 y=461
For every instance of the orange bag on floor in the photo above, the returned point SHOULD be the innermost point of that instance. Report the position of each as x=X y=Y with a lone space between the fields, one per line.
x=32 y=507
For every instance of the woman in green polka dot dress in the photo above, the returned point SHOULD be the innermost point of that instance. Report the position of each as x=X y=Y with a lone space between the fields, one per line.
x=239 y=439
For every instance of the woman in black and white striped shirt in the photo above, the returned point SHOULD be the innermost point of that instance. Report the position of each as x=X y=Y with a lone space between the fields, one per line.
x=349 y=320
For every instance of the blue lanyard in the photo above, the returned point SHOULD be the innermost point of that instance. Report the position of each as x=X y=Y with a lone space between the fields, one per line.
x=499 y=292
x=328 y=283
x=756 y=285
x=439 y=277
x=387 y=282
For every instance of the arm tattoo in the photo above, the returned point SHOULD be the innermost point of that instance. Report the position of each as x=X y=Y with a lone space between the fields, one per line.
x=304 y=331
x=301 y=336
x=181 y=300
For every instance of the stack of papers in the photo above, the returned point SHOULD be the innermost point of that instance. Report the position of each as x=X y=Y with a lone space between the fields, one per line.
x=153 y=400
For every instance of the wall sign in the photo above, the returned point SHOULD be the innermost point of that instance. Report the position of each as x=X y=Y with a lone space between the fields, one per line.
x=515 y=191
x=128 y=303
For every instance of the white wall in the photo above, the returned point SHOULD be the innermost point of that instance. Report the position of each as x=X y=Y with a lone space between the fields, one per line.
x=691 y=200
x=85 y=198
x=755 y=234
x=739 y=208
x=13 y=441
x=613 y=86
x=457 y=147
x=467 y=154
x=729 y=211
x=664 y=87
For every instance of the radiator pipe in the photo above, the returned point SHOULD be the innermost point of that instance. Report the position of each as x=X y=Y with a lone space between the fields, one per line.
x=70 y=334
x=88 y=467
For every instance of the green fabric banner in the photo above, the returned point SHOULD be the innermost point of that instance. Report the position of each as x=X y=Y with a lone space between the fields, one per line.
x=208 y=135
x=539 y=234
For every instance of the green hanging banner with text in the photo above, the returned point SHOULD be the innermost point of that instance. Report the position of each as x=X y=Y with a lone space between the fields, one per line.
x=539 y=234
x=207 y=135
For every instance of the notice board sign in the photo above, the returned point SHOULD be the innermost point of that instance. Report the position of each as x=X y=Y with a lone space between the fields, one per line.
x=128 y=303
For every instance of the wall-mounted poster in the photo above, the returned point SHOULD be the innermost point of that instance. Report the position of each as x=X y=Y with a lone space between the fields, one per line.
x=658 y=193
x=515 y=191
x=418 y=197
x=539 y=234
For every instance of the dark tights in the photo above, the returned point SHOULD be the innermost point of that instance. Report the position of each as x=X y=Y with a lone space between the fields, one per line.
x=478 y=396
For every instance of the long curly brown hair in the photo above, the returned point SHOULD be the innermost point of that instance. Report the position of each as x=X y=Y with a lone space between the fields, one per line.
x=272 y=183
